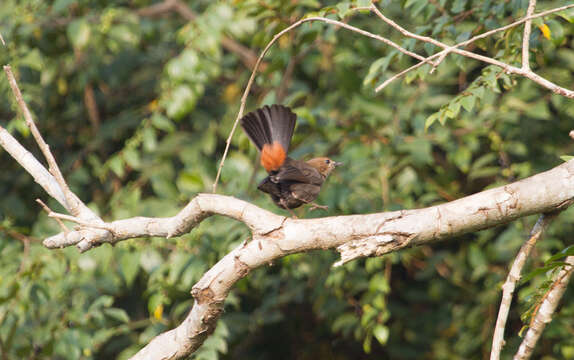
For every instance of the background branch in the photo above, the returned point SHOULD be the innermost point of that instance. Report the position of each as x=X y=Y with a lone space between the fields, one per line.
x=511 y=280
x=525 y=72
x=545 y=311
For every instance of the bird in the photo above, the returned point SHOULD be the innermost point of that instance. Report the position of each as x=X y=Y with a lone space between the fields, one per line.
x=290 y=182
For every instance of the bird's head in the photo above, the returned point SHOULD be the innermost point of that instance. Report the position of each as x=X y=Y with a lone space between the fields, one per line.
x=324 y=165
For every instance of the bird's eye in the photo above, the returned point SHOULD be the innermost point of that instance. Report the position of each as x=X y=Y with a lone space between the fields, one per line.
x=327 y=161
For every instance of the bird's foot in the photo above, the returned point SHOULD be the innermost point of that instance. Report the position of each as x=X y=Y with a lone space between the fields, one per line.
x=282 y=202
x=293 y=216
x=317 y=206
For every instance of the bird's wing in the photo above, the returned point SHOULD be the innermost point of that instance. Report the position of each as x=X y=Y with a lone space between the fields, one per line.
x=305 y=192
x=298 y=171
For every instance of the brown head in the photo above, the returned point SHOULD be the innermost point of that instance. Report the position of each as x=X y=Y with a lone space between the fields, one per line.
x=324 y=165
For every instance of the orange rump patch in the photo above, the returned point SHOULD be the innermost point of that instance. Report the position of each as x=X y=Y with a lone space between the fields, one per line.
x=272 y=156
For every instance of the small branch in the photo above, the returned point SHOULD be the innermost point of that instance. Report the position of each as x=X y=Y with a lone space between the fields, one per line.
x=72 y=203
x=510 y=284
x=266 y=49
x=25 y=240
x=547 y=308
x=92 y=107
x=156 y=9
x=32 y=166
x=448 y=49
x=526 y=36
x=49 y=211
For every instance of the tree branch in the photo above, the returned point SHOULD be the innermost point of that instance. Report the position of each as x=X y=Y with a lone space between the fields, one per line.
x=275 y=236
x=547 y=308
x=356 y=235
x=71 y=203
x=455 y=49
x=510 y=284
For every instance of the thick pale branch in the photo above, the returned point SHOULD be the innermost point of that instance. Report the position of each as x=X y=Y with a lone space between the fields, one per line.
x=547 y=308
x=359 y=235
x=354 y=236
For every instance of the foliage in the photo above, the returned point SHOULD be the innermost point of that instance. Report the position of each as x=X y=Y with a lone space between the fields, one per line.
x=166 y=93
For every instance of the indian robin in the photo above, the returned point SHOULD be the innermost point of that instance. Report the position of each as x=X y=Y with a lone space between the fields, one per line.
x=291 y=183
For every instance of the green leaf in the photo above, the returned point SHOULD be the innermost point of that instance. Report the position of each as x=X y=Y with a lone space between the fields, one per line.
x=558 y=34
x=468 y=102
x=430 y=120
x=381 y=333
x=116 y=163
x=60 y=5
x=132 y=158
x=569 y=251
x=79 y=33
x=103 y=301
x=345 y=322
x=163 y=123
x=129 y=265
x=567 y=15
x=343 y=9
x=181 y=102
x=117 y=314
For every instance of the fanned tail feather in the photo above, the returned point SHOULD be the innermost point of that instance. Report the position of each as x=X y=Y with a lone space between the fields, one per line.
x=270 y=128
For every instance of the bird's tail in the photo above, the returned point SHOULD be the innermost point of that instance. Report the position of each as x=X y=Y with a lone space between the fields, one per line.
x=270 y=128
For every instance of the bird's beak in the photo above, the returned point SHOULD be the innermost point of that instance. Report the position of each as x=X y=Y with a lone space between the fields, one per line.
x=337 y=163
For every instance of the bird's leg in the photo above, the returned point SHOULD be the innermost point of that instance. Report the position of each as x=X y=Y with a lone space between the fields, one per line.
x=317 y=206
x=282 y=201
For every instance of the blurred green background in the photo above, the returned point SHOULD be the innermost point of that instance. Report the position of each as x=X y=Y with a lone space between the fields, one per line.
x=136 y=106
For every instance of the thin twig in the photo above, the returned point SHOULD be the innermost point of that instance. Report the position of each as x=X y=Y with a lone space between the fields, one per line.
x=510 y=284
x=2 y=40
x=49 y=212
x=25 y=240
x=268 y=46
x=545 y=311
x=90 y=224
x=71 y=200
x=526 y=36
